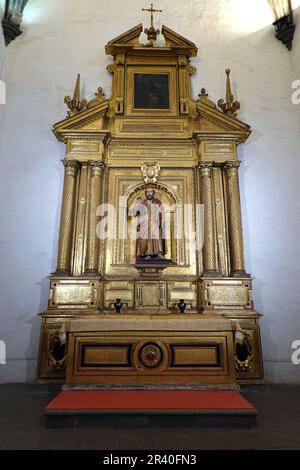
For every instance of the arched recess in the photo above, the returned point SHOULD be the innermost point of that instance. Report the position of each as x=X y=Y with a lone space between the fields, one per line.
x=173 y=219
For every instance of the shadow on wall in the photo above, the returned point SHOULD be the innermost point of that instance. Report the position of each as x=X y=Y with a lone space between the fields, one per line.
x=245 y=164
x=31 y=352
x=276 y=369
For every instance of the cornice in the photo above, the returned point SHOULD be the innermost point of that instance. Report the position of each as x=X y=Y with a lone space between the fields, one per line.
x=81 y=119
x=235 y=129
x=63 y=135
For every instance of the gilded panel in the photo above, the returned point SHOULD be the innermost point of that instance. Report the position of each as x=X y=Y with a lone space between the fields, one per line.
x=74 y=293
x=227 y=293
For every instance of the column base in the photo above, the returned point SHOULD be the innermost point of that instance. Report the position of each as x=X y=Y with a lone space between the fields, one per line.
x=61 y=273
x=211 y=274
x=91 y=273
x=240 y=274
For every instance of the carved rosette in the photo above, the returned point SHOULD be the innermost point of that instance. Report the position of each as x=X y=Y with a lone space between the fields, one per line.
x=150 y=355
x=209 y=251
x=67 y=217
x=234 y=217
x=96 y=170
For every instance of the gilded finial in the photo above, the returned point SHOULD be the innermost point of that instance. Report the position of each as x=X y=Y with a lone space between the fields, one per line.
x=151 y=32
x=99 y=98
x=75 y=104
x=203 y=98
x=229 y=106
x=100 y=95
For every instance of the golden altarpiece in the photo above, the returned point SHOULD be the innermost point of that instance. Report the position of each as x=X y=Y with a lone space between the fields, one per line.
x=150 y=134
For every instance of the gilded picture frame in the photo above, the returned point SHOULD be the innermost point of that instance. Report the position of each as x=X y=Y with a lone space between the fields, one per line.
x=151 y=91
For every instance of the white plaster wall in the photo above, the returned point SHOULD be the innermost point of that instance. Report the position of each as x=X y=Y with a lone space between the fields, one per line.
x=2 y=43
x=64 y=37
x=296 y=53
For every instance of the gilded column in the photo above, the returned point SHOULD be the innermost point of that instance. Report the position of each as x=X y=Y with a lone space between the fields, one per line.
x=96 y=169
x=209 y=247
x=234 y=218
x=67 y=217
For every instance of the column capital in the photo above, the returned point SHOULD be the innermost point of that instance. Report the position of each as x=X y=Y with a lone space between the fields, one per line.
x=96 y=166
x=206 y=167
x=232 y=166
x=71 y=167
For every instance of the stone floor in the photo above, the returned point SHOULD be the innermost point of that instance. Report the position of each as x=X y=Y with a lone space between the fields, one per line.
x=22 y=425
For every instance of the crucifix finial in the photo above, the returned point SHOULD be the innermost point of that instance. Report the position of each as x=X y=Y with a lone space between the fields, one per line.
x=151 y=32
x=151 y=10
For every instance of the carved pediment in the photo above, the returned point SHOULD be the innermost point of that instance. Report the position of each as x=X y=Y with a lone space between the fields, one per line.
x=130 y=40
x=176 y=41
x=126 y=40
x=214 y=122
x=90 y=121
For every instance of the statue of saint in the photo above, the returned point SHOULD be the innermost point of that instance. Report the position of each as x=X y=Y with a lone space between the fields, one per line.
x=150 y=242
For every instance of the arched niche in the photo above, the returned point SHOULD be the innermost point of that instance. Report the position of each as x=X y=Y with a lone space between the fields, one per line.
x=171 y=203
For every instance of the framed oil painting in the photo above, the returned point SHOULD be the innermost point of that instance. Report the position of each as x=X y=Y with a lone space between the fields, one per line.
x=151 y=91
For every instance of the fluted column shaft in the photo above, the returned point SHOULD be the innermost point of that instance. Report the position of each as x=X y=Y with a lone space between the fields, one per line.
x=209 y=247
x=234 y=218
x=96 y=169
x=67 y=217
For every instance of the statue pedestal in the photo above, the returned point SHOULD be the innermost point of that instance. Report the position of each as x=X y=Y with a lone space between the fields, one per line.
x=152 y=268
x=174 y=349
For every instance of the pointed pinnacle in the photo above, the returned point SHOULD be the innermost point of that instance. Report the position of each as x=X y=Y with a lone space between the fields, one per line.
x=229 y=96
x=76 y=95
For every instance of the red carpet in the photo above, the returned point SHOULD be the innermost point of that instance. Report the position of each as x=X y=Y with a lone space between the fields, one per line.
x=149 y=402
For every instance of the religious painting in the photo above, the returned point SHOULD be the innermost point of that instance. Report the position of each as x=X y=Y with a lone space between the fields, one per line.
x=151 y=91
